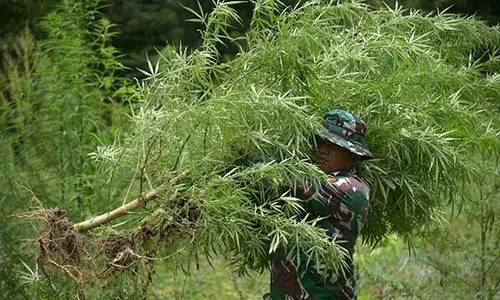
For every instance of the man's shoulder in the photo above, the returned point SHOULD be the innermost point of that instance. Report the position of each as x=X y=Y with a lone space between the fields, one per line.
x=348 y=184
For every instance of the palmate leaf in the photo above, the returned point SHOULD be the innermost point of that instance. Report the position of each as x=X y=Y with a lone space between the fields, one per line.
x=408 y=75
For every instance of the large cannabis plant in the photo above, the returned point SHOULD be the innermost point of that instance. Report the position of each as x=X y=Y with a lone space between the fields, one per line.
x=217 y=141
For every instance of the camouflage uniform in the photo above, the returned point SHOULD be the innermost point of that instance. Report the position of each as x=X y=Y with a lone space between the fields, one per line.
x=344 y=202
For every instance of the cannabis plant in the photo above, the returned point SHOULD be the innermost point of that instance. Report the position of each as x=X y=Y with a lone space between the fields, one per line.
x=218 y=141
x=220 y=146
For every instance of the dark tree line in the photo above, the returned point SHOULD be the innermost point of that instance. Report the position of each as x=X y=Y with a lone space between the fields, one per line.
x=144 y=25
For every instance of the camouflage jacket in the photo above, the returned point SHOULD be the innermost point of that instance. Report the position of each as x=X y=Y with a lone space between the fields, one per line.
x=344 y=201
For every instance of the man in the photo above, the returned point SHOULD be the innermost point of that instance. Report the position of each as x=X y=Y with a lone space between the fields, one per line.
x=343 y=201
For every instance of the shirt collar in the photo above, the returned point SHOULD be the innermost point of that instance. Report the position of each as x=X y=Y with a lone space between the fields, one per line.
x=348 y=173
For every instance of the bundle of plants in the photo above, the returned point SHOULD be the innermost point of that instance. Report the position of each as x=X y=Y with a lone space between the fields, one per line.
x=216 y=141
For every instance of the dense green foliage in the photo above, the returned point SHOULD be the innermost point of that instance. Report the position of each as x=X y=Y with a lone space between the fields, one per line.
x=56 y=106
x=58 y=103
x=408 y=75
x=218 y=138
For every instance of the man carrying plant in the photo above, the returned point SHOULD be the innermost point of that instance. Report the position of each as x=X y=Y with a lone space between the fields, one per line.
x=342 y=203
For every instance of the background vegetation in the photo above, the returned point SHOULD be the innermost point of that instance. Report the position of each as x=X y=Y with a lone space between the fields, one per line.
x=65 y=91
x=145 y=25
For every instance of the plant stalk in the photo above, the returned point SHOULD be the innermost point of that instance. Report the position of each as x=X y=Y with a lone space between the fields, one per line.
x=110 y=216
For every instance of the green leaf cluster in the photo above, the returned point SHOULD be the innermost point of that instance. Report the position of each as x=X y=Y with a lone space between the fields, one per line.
x=426 y=85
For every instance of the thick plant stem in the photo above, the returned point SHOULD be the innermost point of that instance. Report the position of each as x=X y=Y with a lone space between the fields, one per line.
x=109 y=216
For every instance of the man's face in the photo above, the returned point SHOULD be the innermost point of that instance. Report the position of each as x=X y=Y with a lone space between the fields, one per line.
x=331 y=158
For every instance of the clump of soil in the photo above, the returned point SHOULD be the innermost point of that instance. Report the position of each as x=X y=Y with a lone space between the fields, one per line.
x=120 y=250
x=59 y=240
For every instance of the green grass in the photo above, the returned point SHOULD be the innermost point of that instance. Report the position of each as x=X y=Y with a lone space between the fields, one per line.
x=208 y=282
x=445 y=267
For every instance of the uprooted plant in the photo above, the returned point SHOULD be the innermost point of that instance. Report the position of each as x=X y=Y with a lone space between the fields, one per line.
x=62 y=247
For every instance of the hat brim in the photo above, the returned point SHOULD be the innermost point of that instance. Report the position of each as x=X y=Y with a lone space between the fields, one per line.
x=341 y=141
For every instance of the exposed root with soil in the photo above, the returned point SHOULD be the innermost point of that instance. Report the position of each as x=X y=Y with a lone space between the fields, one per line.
x=59 y=241
x=63 y=247
x=120 y=251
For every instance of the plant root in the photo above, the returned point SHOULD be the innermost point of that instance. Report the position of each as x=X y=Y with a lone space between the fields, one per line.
x=64 y=246
x=120 y=250
x=59 y=241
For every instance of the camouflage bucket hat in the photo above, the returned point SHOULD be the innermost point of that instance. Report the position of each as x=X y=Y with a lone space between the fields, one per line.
x=347 y=131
